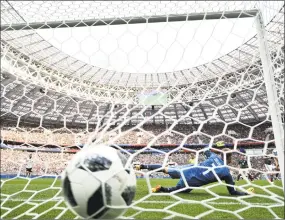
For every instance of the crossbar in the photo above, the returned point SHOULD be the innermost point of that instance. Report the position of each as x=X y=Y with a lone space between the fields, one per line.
x=131 y=20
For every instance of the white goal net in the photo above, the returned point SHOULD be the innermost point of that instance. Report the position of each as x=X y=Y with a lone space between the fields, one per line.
x=160 y=81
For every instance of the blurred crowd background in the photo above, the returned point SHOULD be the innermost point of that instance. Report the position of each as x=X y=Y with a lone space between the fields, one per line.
x=129 y=135
x=52 y=163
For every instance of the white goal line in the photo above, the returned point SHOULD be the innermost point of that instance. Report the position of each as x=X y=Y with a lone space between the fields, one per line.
x=148 y=201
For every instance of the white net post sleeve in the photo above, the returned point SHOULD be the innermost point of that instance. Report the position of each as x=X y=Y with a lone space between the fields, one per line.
x=273 y=100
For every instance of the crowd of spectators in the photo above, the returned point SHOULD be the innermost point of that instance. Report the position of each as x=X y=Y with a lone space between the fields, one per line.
x=50 y=163
x=57 y=137
x=44 y=163
x=154 y=134
x=13 y=161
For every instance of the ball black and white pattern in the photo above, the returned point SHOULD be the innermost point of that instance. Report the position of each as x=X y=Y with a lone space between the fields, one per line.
x=97 y=179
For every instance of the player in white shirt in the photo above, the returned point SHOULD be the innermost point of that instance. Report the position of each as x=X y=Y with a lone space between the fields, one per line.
x=29 y=166
x=272 y=166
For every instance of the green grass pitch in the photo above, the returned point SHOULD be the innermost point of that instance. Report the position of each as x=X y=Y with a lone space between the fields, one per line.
x=45 y=201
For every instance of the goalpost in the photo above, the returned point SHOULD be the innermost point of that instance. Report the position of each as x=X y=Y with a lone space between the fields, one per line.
x=151 y=75
x=273 y=101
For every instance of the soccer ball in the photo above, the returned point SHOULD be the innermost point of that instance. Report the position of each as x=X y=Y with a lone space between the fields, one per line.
x=97 y=185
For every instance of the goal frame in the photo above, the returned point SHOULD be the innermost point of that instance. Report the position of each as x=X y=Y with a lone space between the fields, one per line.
x=271 y=91
x=274 y=110
x=263 y=49
x=131 y=20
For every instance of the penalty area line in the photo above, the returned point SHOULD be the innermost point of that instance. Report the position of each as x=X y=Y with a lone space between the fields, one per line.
x=151 y=201
x=213 y=203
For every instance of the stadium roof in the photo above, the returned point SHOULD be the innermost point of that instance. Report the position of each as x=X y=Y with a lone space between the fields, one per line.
x=30 y=43
x=30 y=105
x=26 y=100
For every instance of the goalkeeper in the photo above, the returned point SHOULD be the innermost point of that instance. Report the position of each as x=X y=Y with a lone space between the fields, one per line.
x=197 y=176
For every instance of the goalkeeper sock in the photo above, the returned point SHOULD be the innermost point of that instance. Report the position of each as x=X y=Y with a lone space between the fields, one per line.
x=150 y=166
x=165 y=189
x=171 y=189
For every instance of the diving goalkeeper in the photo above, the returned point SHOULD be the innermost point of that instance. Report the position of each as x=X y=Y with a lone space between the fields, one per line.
x=197 y=176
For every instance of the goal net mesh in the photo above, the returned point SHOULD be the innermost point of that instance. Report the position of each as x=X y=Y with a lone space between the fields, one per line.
x=160 y=81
